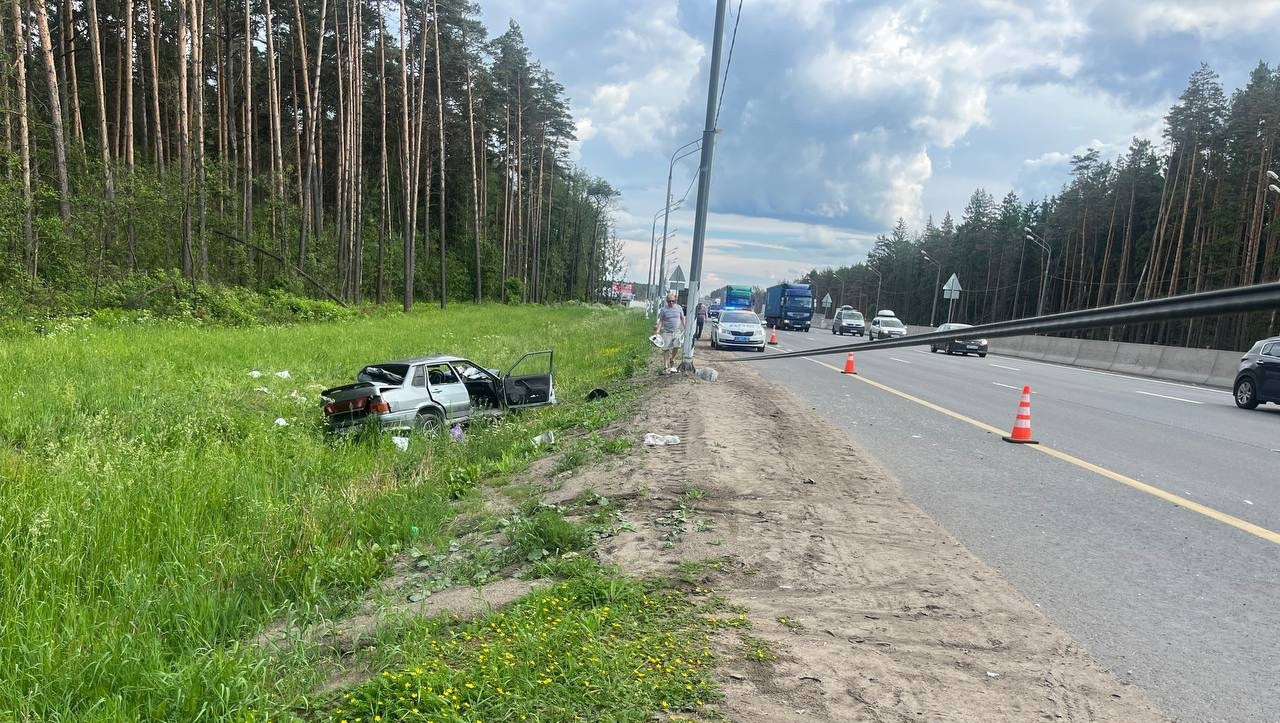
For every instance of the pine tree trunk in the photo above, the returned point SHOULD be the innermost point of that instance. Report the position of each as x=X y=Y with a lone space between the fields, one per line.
x=406 y=143
x=55 y=111
x=154 y=44
x=129 y=154
x=435 y=11
x=196 y=143
x=68 y=29
x=30 y=245
x=184 y=129
x=477 y=230
x=95 y=48
x=250 y=140
x=383 y=204
x=277 y=154
x=1182 y=224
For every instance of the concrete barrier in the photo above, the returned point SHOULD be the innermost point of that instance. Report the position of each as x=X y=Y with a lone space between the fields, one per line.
x=1225 y=366
x=1195 y=366
x=1186 y=365
x=1034 y=347
x=1140 y=359
x=1062 y=351
x=1096 y=354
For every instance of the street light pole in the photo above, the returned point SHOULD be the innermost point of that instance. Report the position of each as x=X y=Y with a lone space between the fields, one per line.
x=1048 y=259
x=662 y=264
x=704 y=175
x=653 y=240
x=937 y=279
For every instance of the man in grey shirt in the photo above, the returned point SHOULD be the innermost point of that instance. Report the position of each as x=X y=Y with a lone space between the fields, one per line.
x=670 y=326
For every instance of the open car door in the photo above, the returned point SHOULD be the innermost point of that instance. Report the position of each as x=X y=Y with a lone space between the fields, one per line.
x=528 y=383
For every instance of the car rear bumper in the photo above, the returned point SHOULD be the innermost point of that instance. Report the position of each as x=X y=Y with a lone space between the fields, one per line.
x=392 y=420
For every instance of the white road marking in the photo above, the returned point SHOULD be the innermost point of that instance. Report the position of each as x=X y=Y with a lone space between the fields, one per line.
x=1001 y=366
x=1006 y=386
x=1166 y=396
x=904 y=361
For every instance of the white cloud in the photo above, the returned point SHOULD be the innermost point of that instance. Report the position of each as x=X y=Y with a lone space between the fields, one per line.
x=652 y=66
x=1211 y=20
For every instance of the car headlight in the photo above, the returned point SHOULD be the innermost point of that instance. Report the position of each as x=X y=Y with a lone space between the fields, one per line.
x=982 y=342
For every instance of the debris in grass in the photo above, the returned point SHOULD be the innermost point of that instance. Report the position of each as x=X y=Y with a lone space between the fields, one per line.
x=707 y=374
x=264 y=390
x=548 y=437
x=457 y=433
x=282 y=422
x=596 y=393
x=255 y=374
x=283 y=374
x=660 y=440
x=401 y=443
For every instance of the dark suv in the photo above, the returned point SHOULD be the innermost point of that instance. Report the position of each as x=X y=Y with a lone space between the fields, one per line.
x=1258 y=380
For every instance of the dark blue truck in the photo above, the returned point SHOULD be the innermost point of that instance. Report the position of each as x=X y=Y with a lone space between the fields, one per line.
x=789 y=306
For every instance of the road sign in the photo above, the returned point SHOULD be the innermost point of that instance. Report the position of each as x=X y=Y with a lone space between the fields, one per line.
x=952 y=289
x=826 y=301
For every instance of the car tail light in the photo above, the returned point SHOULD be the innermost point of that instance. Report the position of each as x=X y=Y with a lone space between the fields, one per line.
x=379 y=407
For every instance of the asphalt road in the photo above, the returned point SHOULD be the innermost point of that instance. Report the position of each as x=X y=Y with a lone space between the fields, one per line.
x=1178 y=601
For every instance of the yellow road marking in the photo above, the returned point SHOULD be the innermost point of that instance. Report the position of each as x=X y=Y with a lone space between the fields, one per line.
x=1183 y=502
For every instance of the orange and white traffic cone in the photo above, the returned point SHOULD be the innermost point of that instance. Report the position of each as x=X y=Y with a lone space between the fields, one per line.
x=849 y=366
x=773 y=335
x=1022 y=425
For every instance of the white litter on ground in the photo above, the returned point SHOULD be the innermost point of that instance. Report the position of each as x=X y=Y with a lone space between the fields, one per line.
x=284 y=374
x=282 y=422
x=264 y=390
x=660 y=440
x=707 y=374
x=255 y=374
x=401 y=443
x=545 y=438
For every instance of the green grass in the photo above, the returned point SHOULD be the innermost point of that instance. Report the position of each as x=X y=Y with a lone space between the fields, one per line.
x=596 y=647
x=155 y=517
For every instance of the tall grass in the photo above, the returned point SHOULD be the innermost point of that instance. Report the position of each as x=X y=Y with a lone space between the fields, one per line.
x=153 y=515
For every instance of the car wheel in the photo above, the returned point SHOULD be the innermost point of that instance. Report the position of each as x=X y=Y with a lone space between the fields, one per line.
x=933 y=349
x=429 y=421
x=1246 y=394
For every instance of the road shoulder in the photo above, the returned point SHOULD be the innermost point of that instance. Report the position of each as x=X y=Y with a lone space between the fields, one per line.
x=860 y=606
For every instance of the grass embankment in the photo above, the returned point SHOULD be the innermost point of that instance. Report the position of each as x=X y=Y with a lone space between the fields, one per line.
x=155 y=516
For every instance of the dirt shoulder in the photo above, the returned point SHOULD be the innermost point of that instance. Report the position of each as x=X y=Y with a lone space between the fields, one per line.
x=867 y=609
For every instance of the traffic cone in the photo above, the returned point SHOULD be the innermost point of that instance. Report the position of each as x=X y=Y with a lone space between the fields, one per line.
x=1022 y=425
x=849 y=366
x=773 y=335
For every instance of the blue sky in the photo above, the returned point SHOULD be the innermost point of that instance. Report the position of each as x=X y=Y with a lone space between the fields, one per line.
x=839 y=116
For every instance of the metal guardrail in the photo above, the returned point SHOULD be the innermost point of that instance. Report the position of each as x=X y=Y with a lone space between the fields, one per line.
x=1260 y=297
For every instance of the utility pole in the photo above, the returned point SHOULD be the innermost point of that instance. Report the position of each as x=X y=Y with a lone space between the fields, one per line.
x=704 y=177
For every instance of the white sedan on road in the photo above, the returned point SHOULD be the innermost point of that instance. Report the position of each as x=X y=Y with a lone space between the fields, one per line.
x=737 y=329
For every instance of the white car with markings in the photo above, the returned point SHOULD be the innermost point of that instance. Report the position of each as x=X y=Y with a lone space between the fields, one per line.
x=737 y=329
